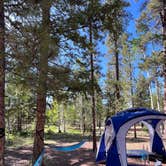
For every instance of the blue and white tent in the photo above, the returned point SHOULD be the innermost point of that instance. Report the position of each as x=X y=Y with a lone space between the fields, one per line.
x=112 y=147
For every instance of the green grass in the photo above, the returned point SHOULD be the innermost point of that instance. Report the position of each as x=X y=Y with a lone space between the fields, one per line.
x=73 y=131
x=51 y=136
x=17 y=141
x=50 y=129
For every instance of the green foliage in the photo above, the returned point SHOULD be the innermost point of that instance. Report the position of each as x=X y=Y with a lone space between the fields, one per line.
x=52 y=114
x=72 y=114
x=141 y=97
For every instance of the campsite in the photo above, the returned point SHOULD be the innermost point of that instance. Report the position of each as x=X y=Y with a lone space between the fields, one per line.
x=82 y=82
x=83 y=156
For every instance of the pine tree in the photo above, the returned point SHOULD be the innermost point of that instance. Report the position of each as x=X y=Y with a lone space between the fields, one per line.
x=153 y=19
x=115 y=26
x=42 y=86
x=92 y=78
x=128 y=59
x=163 y=20
x=141 y=98
x=2 y=83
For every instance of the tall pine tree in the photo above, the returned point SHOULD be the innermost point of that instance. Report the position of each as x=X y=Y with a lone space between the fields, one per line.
x=2 y=83
x=42 y=80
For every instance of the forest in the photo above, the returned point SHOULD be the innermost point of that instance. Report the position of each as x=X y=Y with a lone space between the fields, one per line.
x=66 y=65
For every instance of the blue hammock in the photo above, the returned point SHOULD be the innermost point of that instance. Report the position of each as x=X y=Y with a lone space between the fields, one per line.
x=40 y=158
x=138 y=154
x=69 y=148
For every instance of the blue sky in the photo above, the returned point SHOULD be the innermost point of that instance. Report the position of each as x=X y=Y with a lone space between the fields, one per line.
x=134 y=9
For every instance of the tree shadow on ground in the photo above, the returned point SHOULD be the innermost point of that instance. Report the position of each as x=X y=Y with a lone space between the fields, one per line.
x=67 y=137
x=18 y=156
x=22 y=156
x=137 y=140
x=83 y=156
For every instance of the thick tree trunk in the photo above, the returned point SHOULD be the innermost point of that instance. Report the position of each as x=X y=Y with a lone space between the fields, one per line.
x=42 y=86
x=2 y=83
x=165 y=89
x=164 y=41
x=92 y=89
x=163 y=20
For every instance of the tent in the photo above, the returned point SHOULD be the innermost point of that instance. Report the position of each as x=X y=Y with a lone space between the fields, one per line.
x=112 y=147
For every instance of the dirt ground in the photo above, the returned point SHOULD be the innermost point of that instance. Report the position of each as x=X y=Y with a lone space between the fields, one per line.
x=83 y=156
x=80 y=157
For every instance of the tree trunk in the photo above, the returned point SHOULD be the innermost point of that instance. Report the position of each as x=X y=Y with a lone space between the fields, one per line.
x=8 y=125
x=157 y=94
x=132 y=94
x=92 y=88
x=42 y=90
x=150 y=89
x=2 y=83
x=82 y=120
x=151 y=97
x=163 y=20
x=19 y=121
x=59 y=118
x=117 y=69
x=64 y=117
x=131 y=85
x=164 y=42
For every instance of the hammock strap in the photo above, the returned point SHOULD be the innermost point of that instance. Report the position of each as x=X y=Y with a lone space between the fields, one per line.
x=40 y=158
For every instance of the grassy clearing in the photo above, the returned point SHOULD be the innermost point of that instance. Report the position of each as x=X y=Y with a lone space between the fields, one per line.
x=51 y=137
x=17 y=141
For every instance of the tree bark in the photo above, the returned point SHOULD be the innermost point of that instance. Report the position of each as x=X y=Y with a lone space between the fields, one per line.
x=64 y=117
x=150 y=89
x=82 y=120
x=19 y=121
x=163 y=20
x=132 y=94
x=117 y=69
x=2 y=83
x=59 y=118
x=42 y=85
x=92 y=87
x=151 y=97
x=157 y=94
x=164 y=42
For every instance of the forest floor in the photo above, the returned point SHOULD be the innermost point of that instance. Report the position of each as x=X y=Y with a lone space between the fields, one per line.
x=84 y=156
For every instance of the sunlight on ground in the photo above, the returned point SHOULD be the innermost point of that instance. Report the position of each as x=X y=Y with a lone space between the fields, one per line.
x=85 y=158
